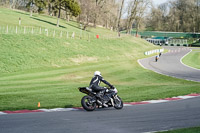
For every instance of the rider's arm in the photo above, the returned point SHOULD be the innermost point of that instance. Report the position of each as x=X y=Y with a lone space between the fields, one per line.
x=106 y=82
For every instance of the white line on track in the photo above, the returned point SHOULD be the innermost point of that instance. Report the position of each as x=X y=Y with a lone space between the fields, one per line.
x=186 y=97
x=58 y=109
x=141 y=64
x=157 y=101
x=2 y=113
x=156 y=131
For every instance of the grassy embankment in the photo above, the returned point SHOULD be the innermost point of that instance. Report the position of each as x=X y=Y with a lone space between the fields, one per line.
x=193 y=59
x=36 y=68
x=184 y=130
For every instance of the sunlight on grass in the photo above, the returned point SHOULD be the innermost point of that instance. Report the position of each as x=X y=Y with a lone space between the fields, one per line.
x=38 y=68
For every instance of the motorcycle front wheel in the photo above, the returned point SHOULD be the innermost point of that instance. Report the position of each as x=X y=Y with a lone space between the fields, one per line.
x=118 y=103
x=87 y=103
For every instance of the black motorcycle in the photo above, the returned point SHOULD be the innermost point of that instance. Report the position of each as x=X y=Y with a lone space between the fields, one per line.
x=91 y=100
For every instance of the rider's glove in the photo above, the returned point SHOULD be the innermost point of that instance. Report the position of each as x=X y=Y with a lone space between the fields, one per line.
x=112 y=87
x=107 y=90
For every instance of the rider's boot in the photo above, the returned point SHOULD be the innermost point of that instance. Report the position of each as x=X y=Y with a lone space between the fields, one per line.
x=104 y=104
x=100 y=97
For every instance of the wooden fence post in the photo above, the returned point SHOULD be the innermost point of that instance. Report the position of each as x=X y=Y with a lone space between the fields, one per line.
x=16 y=29
x=19 y=21
x=73 y=35
x=61 y=34
x=7 y=29
x=47 y=32
x=67 y=34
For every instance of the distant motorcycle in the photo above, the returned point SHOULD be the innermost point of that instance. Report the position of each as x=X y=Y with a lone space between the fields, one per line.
x=90 y=101
x=156 y=58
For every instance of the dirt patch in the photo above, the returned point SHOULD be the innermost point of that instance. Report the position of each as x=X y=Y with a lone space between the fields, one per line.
x=66 y=43
x=83 y=59
x=75 y=76
x=55 y=65
x=70 y=77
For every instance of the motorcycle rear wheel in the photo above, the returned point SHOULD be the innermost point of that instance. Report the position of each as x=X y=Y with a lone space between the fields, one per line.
x=118 y=103
x=87 y=104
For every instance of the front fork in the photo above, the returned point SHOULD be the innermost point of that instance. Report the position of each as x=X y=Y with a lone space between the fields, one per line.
x=112 y=102
x=112 y=99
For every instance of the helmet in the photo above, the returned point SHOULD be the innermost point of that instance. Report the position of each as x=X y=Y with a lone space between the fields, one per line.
x=97 y=73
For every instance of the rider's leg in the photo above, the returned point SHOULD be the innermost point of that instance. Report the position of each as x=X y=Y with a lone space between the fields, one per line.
x=100 y=94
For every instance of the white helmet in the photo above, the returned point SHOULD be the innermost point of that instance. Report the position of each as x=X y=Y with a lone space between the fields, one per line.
x=97 y=73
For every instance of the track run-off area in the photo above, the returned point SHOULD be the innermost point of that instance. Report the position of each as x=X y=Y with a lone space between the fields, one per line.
x=140 y=117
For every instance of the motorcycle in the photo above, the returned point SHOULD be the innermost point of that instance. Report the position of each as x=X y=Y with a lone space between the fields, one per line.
x=91 y=100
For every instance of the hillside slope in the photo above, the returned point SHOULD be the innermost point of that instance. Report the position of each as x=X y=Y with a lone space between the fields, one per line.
x=21 y=52
x=39 y=68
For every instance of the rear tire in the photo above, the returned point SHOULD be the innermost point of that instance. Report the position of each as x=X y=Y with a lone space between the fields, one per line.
x=118 y=103
x=87 y=104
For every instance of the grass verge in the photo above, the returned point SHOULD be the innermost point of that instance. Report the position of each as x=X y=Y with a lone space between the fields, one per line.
x=185 y=130
x=193 y=59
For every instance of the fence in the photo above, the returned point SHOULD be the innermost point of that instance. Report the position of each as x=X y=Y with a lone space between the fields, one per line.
x=153 y=51
x=178 y=42
x=52 y=32
x=168 y=34
x=43 y=31
x=169 y=42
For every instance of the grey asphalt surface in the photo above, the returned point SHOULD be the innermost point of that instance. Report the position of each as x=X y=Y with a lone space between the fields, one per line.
x=131 y=119
x=170 y=64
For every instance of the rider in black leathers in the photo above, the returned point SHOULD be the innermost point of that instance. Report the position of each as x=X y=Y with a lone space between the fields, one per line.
x=94 y=84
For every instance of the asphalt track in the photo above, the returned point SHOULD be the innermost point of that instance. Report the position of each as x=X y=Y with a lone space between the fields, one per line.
x=170 y=64
x=131 y=119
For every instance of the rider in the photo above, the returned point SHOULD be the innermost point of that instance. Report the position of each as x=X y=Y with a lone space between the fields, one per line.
x=94 y=84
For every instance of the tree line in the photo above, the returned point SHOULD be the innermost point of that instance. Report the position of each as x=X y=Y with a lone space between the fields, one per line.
x=58 y=8
x=175 y=15
x=118 y=15
x=107 y=13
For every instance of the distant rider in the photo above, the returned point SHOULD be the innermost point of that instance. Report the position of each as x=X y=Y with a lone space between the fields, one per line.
x=157 y=57
x=94 y=84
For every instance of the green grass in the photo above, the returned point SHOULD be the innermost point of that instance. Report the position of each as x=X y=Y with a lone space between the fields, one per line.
x=185 y=130
x=45 y=22
x=36 y=68
x=193 y=59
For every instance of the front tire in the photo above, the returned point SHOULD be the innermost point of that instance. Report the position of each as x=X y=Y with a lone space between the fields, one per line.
x=87 y=104
x=118 y=102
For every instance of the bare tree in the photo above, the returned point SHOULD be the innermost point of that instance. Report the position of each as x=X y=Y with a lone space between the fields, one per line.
x=101 y=12
x=176 y=15
x=120 y=14
x=133 y=6
x=140 y=14
x=87 y=14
